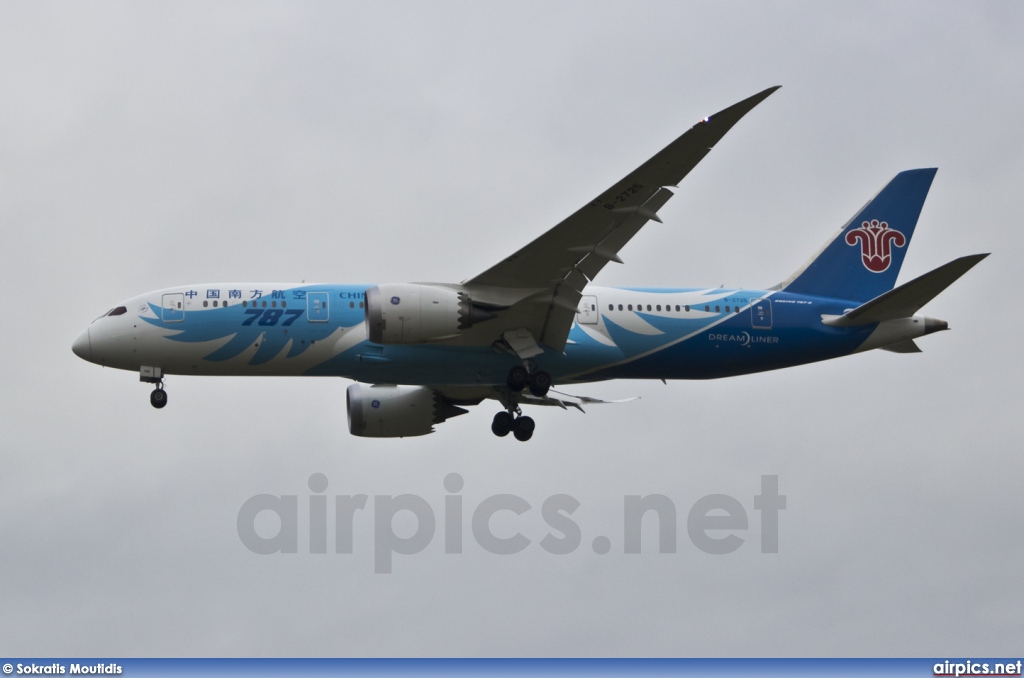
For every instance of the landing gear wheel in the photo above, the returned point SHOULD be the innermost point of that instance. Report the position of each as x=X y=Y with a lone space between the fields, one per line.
x=502 y=424
x=158 y=398
x=540 y=382
x=523 y=428
x=517 y=378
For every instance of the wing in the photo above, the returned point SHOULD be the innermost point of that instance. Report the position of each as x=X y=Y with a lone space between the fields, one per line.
x=552 y=271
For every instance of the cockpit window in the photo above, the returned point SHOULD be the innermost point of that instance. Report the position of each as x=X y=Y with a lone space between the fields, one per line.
x=120 y=310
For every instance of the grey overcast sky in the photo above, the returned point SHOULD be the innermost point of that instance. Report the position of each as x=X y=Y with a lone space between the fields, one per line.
x=145 y=145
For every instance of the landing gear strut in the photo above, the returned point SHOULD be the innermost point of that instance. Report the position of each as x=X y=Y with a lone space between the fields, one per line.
x=519 y=426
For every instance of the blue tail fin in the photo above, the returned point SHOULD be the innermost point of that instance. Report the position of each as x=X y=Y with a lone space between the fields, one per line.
x=863 y=260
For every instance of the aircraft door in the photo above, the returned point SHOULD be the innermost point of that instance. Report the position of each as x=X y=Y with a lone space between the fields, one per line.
x=173 y=306
x=587 y=313
x=317 y=309
x=761 y=314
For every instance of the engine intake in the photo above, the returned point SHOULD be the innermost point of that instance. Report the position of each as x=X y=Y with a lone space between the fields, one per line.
x=407 y=313
x=389 y=411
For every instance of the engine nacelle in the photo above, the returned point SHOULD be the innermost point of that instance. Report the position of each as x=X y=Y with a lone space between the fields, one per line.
x=388 y=411
x=405 y=313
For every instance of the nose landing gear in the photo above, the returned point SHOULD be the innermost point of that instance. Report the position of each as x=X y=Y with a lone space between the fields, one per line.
x=158 y=398
x=154 y=375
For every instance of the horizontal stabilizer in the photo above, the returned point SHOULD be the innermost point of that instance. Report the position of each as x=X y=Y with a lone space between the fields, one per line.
x=907 y=346
x=905 y=300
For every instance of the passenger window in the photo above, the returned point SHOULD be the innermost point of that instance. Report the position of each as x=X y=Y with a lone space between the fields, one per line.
x=648 y=307
x=687 y=307
x=659 y=307
x=631 y=307
x=707 y=308
x=718 y=309
x=360 y=304
x=244 y=304
x=351 y=304
x=620 y=307
x=205 y=303
x=727 y=310
x=264 y=304
x=284 y=305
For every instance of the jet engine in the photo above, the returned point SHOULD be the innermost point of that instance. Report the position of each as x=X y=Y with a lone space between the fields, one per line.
x=407 y=313
x=388 y=411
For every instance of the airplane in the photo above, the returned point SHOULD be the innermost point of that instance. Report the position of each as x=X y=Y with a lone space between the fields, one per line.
x=421 y=353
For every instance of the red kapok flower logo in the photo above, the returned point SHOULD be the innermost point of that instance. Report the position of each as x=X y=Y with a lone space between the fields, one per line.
x=876 y=242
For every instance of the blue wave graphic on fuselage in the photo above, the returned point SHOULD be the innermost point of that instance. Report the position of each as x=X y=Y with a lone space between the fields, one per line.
x=270 y=329
x=728 y=343
x=210 y=324
x=675 y=326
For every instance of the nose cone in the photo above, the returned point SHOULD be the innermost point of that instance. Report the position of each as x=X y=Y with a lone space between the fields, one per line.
x=83 y=346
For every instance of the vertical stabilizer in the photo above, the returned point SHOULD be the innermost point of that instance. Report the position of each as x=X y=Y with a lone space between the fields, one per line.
x=862 y=261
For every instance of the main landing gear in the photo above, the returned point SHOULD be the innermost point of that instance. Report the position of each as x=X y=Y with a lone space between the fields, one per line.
x=512 y=421
x=536 y=380
x=519 y=426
